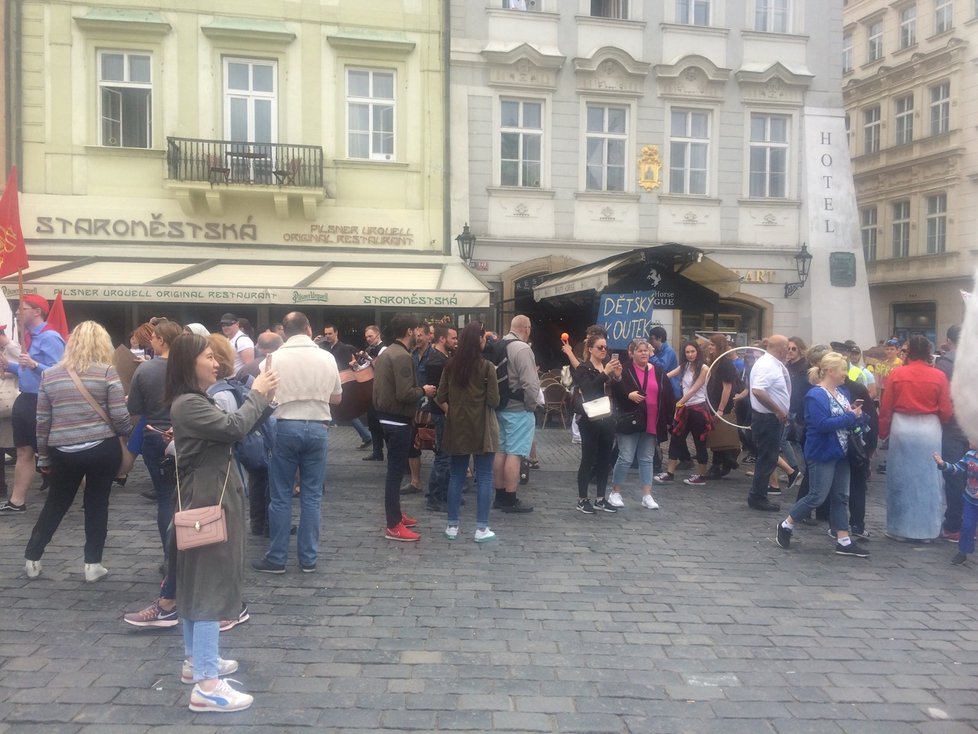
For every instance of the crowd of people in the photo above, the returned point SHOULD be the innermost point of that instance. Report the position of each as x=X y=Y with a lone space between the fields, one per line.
x=240 y=421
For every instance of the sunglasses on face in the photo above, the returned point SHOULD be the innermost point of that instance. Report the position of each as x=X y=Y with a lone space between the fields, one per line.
x=601 y=348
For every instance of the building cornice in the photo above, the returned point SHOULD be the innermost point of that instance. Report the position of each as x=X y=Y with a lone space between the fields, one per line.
x=939 y=62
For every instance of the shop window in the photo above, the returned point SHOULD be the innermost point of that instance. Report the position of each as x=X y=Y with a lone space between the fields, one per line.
x=125 y=99
x=520 y=143
x=370 y=114
x=606 y=140
x=915 y=319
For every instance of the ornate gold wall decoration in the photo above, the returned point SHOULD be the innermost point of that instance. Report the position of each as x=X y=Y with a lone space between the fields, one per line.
x=649 y=168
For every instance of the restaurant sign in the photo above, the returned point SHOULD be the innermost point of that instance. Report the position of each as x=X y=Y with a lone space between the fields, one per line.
x=276 y=296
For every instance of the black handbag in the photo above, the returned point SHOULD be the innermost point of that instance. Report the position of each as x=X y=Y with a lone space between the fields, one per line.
x=856 y=450
x=634 y=421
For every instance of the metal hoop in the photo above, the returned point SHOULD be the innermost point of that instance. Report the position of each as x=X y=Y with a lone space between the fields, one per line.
x=709 y=369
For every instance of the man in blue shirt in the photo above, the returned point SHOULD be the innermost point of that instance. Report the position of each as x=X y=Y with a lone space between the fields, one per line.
x=665 y=356
x=43 y=348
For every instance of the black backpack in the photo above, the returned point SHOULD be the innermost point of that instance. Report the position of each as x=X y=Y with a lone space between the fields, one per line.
x=499 y=356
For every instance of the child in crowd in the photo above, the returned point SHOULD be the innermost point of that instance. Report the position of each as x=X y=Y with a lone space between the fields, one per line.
x=967 y=464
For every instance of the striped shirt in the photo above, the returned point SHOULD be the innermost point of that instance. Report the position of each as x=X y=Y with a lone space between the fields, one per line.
x=64 y=417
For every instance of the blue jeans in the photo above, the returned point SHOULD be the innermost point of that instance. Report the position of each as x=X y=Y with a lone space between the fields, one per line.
x=827 y=479
x=969 y=522
x=440 y=467
x=164 y=484
x=398 y=445
x=200 y=644
x=299 y=445
x=483 y=478
x=361 y=430
x=644 y=444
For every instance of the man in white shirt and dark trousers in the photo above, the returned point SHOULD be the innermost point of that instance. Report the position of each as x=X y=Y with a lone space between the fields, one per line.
x=309 y=385
x=770 y=397
x=244 y=347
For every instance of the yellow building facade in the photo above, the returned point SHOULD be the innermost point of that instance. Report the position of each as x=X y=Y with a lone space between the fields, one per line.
x=209 y=157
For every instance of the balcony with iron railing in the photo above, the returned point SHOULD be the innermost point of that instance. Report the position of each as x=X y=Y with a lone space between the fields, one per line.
x=219 y=168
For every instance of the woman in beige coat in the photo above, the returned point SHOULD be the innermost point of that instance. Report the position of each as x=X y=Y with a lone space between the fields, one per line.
x=469 y=394
x=209 y=578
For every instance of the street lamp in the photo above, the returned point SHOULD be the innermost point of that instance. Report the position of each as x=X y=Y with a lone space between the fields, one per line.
x=466 y=244
x=803 y=262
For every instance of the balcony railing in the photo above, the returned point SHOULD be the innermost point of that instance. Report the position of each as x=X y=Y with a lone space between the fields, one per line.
x=235 y=162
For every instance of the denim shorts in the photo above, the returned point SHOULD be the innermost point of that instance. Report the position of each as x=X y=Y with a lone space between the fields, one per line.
x=516 y=431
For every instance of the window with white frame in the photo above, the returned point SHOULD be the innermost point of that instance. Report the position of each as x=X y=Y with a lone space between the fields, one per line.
x=606 y=140
x=521 y=4
x=520 y=142
x=250 y=101
x=943 y=15
x=908 y=26
x=125 y=81
x=940 y=108
x=847 y=55
x=370 y=104
x=693 y=12
x=771 y=16
x=689 y=152
x=871 y=130
x=874 y=37
x=904 y=120
x=936 y=224
x=901 y=229
x=868 y=230
x=768 y=156
x=609 y=9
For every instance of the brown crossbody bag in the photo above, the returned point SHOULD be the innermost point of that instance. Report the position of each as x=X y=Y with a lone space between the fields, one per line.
x=202 y=525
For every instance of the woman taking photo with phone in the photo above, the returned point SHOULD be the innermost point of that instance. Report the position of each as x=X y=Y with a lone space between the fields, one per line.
x=209 y=577
x=592 y=378
x=645 y=404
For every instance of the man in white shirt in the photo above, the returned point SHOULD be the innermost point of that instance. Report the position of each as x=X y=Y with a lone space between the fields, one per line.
x=309 y=383
x=770 y=397
x=241 y=343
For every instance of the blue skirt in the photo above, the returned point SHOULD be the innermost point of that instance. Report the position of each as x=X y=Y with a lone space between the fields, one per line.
x=915 y=500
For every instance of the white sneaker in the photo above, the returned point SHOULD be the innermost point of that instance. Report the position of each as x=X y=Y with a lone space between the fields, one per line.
x=481 y=536
x=615 y=500
x=222 y=698
x=451 y=532
x=649 y=503
x=94 y=571
x=33 y=569
x=224 y=667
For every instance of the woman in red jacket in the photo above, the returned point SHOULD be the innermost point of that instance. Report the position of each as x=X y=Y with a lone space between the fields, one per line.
x=916 y=402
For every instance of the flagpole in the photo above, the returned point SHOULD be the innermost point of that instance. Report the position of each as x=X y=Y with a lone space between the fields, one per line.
x=20 y=300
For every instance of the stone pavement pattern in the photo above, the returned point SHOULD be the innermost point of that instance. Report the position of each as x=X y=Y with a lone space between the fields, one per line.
x=685 y=619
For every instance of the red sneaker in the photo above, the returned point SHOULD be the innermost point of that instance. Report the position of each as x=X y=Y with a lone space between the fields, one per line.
x=399 y=532
x=408 y=522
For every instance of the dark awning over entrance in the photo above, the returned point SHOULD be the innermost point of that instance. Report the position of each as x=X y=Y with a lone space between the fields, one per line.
x=651 y=268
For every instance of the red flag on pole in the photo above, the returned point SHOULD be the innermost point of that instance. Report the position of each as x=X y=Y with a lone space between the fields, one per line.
x=57 y=321
x=13 y=253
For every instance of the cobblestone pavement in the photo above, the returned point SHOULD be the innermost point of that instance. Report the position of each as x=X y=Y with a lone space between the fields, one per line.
x=684 y=619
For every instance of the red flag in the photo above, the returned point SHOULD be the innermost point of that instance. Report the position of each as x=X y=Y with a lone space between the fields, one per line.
x=13 y=253
x=57 y=321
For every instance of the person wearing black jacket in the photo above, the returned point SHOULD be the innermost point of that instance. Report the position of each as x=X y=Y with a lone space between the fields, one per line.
x=646 y=405
x=592 y=378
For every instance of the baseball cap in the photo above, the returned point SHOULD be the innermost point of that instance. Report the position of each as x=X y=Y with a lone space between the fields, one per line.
x=35 y=301
x=228 y=319
x=893 y=342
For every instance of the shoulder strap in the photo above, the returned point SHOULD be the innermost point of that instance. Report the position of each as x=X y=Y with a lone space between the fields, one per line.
x=176 y=473
x=88 y=397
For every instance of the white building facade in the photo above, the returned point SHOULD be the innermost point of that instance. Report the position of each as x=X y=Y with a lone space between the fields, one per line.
x=583 y=129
